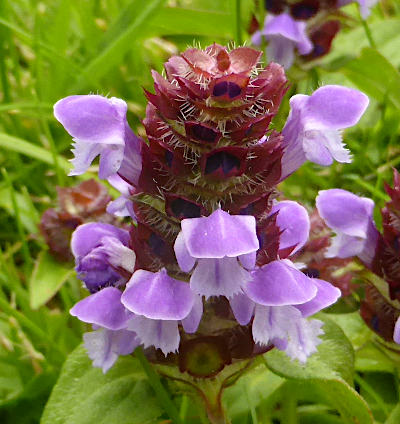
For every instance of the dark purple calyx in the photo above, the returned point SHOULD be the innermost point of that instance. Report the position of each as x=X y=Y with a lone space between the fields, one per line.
x=378 y=313
x=152 y=250
x=253 y=130
x=275 y=6
x=322 y=38
x=202 y=133
x=224 y=163
x=168 y=157
x=305 y=9
x=230 y=87
x=181 y=208
x=226 y=88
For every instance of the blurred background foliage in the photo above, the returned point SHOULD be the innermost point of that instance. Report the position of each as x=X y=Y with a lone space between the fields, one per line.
x=53 y=48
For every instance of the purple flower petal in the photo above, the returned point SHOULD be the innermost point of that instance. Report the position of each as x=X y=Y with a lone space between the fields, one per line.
x=122 y=206
x=396 y=333
x=285 y=26
x=248 y=260
x=157 y=296
x=118 y=255
x=322 y=147
x=327 y=294
x=93 y=118
x=131 y=166
x=294 y=223
x=84 y=154
x=162 y=334
x=285 y=327
x=278 y=283
x=103 y=308
x=242 y=307
x=219 y=235
x=334 y=107
x=344 y=246
x=351 y=217
x=110 y=160
x=192 y=321
x=293 y=155
x=280 y=50
x=104 y=346
x=345 y=212
x=98 y=126
x=256 y=38
x=218 y=277
x=312 y=129
x=185 y=261
x=87 y=236
x=284 y=35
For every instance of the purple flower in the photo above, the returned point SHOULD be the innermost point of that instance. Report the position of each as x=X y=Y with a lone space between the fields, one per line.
x=98 y=126
x=281 y=298
x=106 y=313
x=159 y=302
x=312 y=130
x=105 y=346
x=351 y=217
x=221 y=246
x=284 y=35
x=102 y=255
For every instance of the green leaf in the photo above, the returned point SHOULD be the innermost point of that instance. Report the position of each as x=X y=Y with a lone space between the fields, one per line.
x=375 y=76
x=372 y=359
x=11 y=384
x=16 y=144
x=113 y=54
x=47 y=278
x=256 y=386
x=27 y=215
x=354 y=327
x=176 y=21
x=327 y=374
x=348 y=44
x=394 y=417
x=84 y=395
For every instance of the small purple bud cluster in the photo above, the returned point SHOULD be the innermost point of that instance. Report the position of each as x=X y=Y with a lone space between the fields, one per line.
x=207 y=261
x=308 y=26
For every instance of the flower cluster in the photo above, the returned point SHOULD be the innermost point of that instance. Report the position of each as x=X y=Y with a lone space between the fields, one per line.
x=357 y=236
x=207 y=262
x=308 y=26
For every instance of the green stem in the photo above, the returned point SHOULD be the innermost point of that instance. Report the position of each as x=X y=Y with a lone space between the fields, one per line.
x=367 y=388
x=289 y=405
x=160 y=392
x=184 y=407
x=367 y=31
x=21 y=232
x=238 y=22
x=251 y=406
